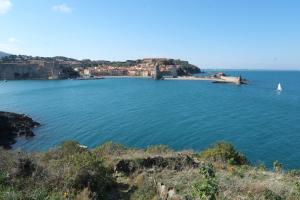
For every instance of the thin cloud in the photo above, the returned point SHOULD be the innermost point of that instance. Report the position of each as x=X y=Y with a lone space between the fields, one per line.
x=5 y=6
x=11 y=45
x=63 y=8
x=12 y=40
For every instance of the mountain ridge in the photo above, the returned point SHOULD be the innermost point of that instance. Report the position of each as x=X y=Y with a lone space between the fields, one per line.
x=3 y=54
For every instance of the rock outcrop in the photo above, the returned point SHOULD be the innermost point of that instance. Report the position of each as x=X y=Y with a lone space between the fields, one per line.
x=168 y=193
x=129 y=166
x=14 y=125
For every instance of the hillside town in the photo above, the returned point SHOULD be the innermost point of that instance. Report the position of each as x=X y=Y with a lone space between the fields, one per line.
x=28 y=67
x=147 y=68
x=22 y=67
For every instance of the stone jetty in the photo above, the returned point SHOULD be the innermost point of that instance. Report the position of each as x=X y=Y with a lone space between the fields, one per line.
x=214 y=79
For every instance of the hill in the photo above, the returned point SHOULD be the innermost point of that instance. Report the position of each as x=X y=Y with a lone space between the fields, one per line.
x=113 y=171
x=3 y=54
x=28 y=67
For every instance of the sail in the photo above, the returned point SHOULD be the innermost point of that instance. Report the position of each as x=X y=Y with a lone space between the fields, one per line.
x=279 y=88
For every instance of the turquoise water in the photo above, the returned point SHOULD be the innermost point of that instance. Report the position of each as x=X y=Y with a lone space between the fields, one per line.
x=262 y=123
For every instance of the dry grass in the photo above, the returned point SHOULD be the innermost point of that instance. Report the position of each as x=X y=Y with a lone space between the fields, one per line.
x=235 y=182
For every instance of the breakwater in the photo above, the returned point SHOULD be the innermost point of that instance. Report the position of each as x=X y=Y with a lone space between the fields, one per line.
x=222 y=79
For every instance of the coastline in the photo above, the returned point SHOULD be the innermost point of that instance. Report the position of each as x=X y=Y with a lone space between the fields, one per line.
x=140 y=77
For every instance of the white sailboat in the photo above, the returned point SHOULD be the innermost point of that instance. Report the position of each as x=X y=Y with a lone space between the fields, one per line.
x=279 y=88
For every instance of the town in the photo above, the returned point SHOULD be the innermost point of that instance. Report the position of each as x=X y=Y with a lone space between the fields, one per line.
x=20 y=67
x=148 y=67
x=28 y=67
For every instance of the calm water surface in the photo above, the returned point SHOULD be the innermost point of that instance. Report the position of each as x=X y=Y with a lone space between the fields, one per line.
x=262 y=123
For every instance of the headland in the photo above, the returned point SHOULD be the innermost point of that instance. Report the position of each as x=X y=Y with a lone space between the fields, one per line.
x=15 y=67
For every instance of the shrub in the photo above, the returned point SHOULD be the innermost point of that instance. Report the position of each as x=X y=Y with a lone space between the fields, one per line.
x=38 y=194
x=224 y=152
x=58 y=174
x=55 y=196
x=207 y=187
x=294 y=173
x=84 y=195
x=11 y=194
x=158 y=149
x=3 y=178
x=70 y=147
x=109 y=148
x=207 y=171
x=85 y=169
x=270 y=195
x=25 y=167
x=97 y=178
x=262 y=167
x=237 y=170
x=277 y=166
x=296 y=188
x=145 y=191
x=140 y=179
x=65 y=149
x=61 y=173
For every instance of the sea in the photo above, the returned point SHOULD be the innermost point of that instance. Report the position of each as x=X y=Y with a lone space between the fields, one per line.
x=186 y=115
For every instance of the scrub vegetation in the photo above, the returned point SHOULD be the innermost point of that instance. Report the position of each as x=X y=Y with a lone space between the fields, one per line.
x=113 y=171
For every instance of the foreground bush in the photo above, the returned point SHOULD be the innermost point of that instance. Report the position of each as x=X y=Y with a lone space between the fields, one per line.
x=62 y=173
x=110 y=148
x=207 y=188
x=224 y=152
x=158 y=149
x=71 y=171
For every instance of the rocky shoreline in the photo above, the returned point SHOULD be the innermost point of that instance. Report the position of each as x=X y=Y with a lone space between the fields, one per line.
x=13 y=125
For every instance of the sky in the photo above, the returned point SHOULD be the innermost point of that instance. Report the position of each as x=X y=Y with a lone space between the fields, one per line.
x=247 y=34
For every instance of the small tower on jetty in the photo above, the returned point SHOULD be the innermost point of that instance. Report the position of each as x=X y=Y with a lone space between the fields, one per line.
x=157 y=74
x=240 y=80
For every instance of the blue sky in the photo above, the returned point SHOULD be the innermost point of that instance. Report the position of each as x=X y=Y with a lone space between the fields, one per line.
x=209 y=33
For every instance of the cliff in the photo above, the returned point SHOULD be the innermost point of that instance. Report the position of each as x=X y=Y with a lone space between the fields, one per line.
x=14 y=125
x=11 y=71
